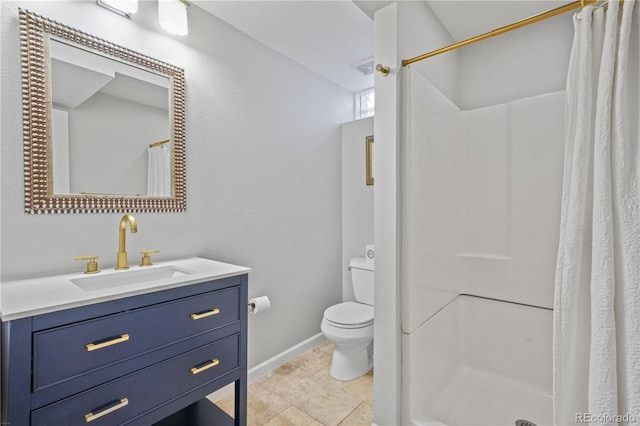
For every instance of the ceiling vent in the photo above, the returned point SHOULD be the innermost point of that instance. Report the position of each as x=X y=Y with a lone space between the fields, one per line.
x=365 y=67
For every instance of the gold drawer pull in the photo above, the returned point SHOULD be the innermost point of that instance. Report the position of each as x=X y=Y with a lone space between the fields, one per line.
x=93 y=346
x=212 y=363
x=197 y=316
x=91 y=416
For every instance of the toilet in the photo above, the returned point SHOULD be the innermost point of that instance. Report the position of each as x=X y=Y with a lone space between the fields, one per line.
x=349 y=325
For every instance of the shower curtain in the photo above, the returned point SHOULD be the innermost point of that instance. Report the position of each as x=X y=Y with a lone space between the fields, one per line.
x=597 y=294
x=159 y=172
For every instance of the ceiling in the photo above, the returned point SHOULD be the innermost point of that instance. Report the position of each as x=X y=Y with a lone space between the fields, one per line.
x=330 y=36
x=326 y=37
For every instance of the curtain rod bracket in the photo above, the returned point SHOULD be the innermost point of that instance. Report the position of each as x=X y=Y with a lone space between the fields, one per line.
x=153 y=145
x=382 y=70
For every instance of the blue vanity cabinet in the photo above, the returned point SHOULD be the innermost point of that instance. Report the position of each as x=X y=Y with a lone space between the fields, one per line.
x=141 y=360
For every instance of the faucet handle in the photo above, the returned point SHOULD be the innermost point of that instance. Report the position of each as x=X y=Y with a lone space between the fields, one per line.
x=146 y=259
x=92 y=266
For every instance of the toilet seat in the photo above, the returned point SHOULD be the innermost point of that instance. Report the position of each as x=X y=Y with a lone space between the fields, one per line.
x=349 y=315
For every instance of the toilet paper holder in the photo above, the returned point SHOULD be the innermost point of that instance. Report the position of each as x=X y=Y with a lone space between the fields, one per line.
x=259 y=304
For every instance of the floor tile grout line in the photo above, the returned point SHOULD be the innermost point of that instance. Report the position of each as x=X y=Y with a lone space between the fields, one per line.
x=350 y=413
x=310 y=415
x=290 y=405
x=279 y=396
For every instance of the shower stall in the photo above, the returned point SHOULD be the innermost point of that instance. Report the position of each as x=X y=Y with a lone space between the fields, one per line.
x=481 y=207
x=480 y=212
x=473 y=202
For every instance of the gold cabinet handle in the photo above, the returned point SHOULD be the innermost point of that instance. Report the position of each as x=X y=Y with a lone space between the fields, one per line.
x=208 y=365
x=93 y=346
x=199 y=315
x=89 y=417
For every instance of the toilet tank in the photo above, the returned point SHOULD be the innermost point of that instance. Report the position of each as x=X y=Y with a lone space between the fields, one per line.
x=362 y=280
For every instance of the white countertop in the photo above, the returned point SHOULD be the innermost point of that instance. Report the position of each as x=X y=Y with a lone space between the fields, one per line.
x=22 y=298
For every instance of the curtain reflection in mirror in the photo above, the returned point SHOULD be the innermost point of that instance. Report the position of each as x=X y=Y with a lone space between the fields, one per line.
x=159 y=171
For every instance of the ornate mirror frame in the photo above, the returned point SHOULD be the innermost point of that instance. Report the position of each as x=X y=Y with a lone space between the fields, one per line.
x=36 y=104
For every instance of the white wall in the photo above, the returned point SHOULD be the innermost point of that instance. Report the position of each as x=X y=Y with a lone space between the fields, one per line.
x=402 y=30
x=386 y=337
x=420 y=31
x=528 y=62
x=357 y=198
x=263 y=146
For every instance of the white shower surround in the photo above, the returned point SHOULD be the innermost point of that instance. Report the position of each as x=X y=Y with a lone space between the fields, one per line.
x=523 y=64
x=471 y=367
x=481 y=204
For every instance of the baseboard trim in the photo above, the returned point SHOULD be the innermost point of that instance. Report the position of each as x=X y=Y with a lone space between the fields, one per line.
x=282 y=358
x=270 y=365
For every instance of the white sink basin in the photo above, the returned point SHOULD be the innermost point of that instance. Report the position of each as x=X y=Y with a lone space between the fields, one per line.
x=43 y=294
x=129 y=277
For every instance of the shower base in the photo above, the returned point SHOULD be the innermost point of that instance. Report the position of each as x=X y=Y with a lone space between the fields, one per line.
x=480 y=362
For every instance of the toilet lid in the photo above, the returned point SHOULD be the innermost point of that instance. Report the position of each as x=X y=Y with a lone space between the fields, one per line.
x=350 y=313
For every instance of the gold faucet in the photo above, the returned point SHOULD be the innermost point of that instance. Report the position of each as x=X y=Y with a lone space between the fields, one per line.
x=122 y=251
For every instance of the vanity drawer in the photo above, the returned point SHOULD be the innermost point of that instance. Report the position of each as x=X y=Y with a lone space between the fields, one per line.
x=70 y=351
x=128 y=397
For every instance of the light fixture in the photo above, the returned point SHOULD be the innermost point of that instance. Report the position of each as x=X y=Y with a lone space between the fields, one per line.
x=121 y=7
x=172 y=15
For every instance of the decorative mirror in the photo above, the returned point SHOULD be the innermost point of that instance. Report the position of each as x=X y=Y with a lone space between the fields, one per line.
x=103 y=125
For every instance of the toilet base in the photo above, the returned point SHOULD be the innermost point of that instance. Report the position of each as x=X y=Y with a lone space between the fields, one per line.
x=353 y=362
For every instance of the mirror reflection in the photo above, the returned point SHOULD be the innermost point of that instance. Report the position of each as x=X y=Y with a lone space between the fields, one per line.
x=110 y=125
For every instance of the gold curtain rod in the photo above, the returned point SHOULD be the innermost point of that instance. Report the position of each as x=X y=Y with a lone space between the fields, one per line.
x=522 y=23
x=153 y=145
